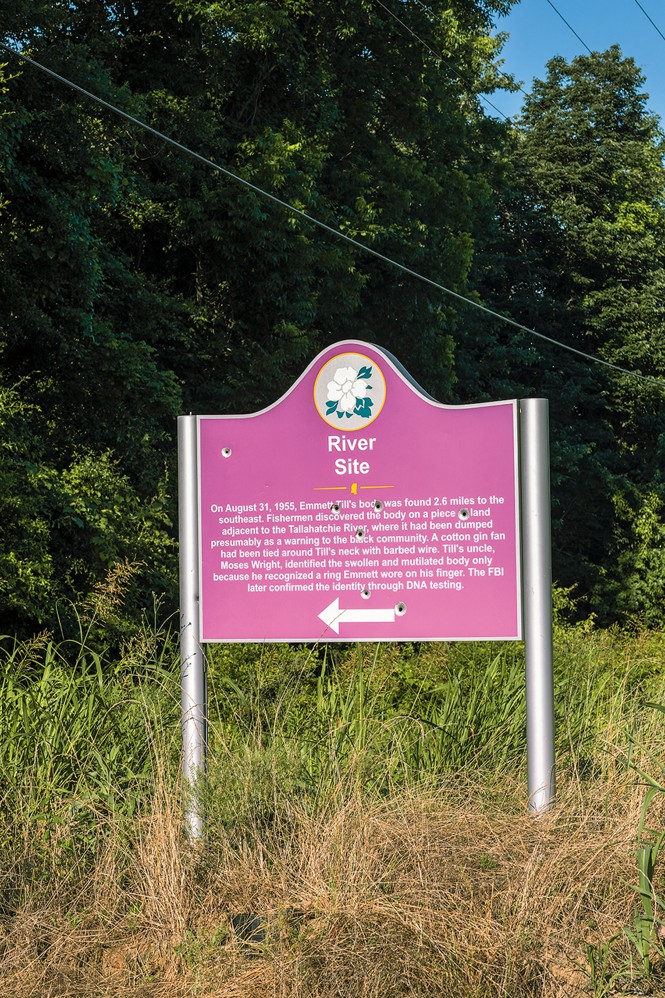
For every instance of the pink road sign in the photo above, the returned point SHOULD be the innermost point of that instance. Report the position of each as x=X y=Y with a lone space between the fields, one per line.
x=358 y=508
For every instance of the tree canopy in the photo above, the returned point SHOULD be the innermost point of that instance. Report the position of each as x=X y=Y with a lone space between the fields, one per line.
x=140 y=283
x=588 y=172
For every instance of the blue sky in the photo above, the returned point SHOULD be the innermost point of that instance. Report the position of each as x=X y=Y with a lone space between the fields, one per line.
x=537 y=33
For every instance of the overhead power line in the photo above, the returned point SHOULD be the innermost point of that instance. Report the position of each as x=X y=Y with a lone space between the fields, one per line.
x=600 y=175
x=337 y=233
x=439 y=55
x=569 y=26
x=650 y=20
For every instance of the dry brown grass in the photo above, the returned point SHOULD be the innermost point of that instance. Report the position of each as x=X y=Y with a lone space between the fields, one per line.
x=441 y=891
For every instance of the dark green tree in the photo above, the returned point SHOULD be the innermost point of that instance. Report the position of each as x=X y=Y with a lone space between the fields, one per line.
x=338 y=109
x=88 y=403
x=139 y=282
x=577 y=252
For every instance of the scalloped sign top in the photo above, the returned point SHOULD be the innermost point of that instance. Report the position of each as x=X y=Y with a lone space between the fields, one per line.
x=357 y=508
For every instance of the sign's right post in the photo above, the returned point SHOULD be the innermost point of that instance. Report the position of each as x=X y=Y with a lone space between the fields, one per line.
x=537 y=598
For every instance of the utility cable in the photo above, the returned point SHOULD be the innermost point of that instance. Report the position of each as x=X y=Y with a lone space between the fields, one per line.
x=507 y=77
x=440 y=57
x=650 y=20
x=603 y=176
x=569 y=26
x=322 y=225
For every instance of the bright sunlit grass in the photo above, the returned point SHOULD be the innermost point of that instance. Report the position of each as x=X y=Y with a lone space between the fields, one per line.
x=367 y=825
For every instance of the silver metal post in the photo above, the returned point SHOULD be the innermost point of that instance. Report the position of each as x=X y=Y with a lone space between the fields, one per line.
x=192 y=658
x=537 y=588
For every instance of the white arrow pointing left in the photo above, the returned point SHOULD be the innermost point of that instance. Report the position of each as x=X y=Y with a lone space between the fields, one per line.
x=332 y=616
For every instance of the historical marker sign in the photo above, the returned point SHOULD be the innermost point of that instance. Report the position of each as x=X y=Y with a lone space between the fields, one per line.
x=358 y=508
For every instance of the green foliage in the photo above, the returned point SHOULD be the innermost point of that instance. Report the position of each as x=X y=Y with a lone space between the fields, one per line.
x=138 y=284
x=639 y=585
x=64 y=531
x=577 y=253
x=88 y=407
x=389 y=716
x=646 y=932
x=643 y=933
x=89 y=755
x=81 y=729
x=78 y=729
x=592 y=155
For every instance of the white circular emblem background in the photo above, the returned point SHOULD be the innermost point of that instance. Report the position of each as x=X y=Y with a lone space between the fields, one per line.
x=349 y=391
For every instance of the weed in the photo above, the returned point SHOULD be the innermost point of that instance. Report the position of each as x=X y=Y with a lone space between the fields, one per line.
x=367 y=832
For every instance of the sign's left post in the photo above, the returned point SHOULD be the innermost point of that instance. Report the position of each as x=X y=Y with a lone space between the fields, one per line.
x=192 y=657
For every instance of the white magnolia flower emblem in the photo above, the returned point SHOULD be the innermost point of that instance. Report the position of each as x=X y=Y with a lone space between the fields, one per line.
x=346 y=388
x=349 y=394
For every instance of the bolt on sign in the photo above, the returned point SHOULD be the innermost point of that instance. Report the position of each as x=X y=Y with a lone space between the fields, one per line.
x=358 y=508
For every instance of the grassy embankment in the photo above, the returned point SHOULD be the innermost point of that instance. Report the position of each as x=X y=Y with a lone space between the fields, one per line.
x=367 y=825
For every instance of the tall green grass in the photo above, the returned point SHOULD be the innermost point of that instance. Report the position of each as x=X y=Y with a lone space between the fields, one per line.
x=423 y=710
x=355 y=794
x=76 y=725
